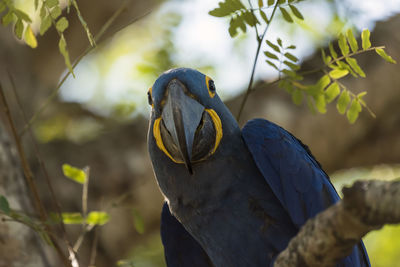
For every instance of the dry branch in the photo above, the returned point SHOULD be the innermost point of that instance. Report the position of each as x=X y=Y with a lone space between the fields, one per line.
x=331 y=235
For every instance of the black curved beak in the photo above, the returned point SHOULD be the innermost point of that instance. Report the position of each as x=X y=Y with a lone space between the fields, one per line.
x=182 y=115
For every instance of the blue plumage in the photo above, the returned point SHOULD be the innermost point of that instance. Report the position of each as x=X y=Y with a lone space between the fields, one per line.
x=243 y=197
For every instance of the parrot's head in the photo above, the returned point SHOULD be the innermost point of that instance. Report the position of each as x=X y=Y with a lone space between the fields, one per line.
x=186 y=122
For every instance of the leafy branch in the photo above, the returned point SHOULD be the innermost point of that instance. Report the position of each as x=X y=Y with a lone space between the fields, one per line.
x=279 y=57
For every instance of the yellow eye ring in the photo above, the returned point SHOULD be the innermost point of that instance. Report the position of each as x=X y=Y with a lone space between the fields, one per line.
x=210 y=86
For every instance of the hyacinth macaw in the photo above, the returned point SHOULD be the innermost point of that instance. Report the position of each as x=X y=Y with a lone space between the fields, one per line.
x=234 y=197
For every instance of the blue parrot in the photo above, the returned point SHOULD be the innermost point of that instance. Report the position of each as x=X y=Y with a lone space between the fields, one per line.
x=233 y=197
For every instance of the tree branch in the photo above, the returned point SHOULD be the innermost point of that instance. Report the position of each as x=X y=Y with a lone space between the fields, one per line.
x=331 y=235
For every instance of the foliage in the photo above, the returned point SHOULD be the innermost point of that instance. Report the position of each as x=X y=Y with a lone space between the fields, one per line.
x=335 y=65
x=50 y=16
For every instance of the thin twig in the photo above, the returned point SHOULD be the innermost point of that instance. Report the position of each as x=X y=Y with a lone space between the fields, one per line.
x=260 y=40
x=39 y=157
x=54 y=93
x=29 y=178
x=92 y=262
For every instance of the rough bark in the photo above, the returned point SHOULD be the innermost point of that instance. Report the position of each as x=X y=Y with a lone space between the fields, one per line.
x=330 y=236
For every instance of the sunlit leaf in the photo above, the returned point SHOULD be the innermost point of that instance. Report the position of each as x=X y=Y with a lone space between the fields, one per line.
x=296 y=12
x=297 y=97
x=291 y=65
x=343 y=45
x=366 y=43
x=271 y=2
x=332 y=51
x=338 y=73
x=385 y=56
x=138 y=221
x=320 y=103
x=75 y=174
x=343 y=101
x=97 y=218
x=4 y=205
x=51 y=3
x=264 y=16
x=353 y=63
x=286 y=15
x=72 y=218
x=7 y=18
x=279 y=41
x=260 y=3
x=226 y=8
x=271 y=55
x=353 y=111
x=273 y=46
x=19 y=28
x=291 y=57
x=55 y=12
x=291 y=47
x=272 y=64
x=332 y=92
x=322 y=83
x=62 y=24
x=352 y=40
x=22 y=15
x=45 y=24
x=62 y=46
x=30 y=38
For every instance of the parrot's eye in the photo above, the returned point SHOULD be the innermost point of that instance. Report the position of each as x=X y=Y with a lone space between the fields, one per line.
x=149 y=99
x=211 y=86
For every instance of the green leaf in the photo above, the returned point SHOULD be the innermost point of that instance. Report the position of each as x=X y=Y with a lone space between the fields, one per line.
x=75 y=174
x=296 y=12
x=291 y=65
x=4 y=205
x=343 y=101
x=310 y=104
x=62 y=46
x=18 y=28
x=325 y=58
x=22 y=15
x=353 y=63
x=353 y=111
x=281 y=2
x=287 y=85
x=138 y=221
x=343 y=65
x=43 y=12
x=30 y=38
x=343 y=45
x=273 y=46
x=291 y=47
x=338 y=73
x=7 y=18
x=55 y=12
x=291 y=57
x=352 y=40
x=332 y=50
x=272 y=64
x=226 y=8
x=320 y=103
x=290 y=73
x=97 y=218
x=264 y=16
x=279 y=42
x=45 y=24
x=51 y=3
x=260 y=3
x=297 y=96
x=36 y=4
x=271 y=2
x=366 y=43
x=332 y=92
x=385 y=56
x=62 y=24
x=286 y=15
x=72 y=218
x=271 y=55
x=360 y=95
x=322 y=83
x=250 y=19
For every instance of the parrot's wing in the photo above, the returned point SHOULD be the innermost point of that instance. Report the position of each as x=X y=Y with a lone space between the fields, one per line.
x=180 y=248
x=294 y=175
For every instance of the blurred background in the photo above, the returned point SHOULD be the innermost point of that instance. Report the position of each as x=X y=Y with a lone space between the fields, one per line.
x=99 y=118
